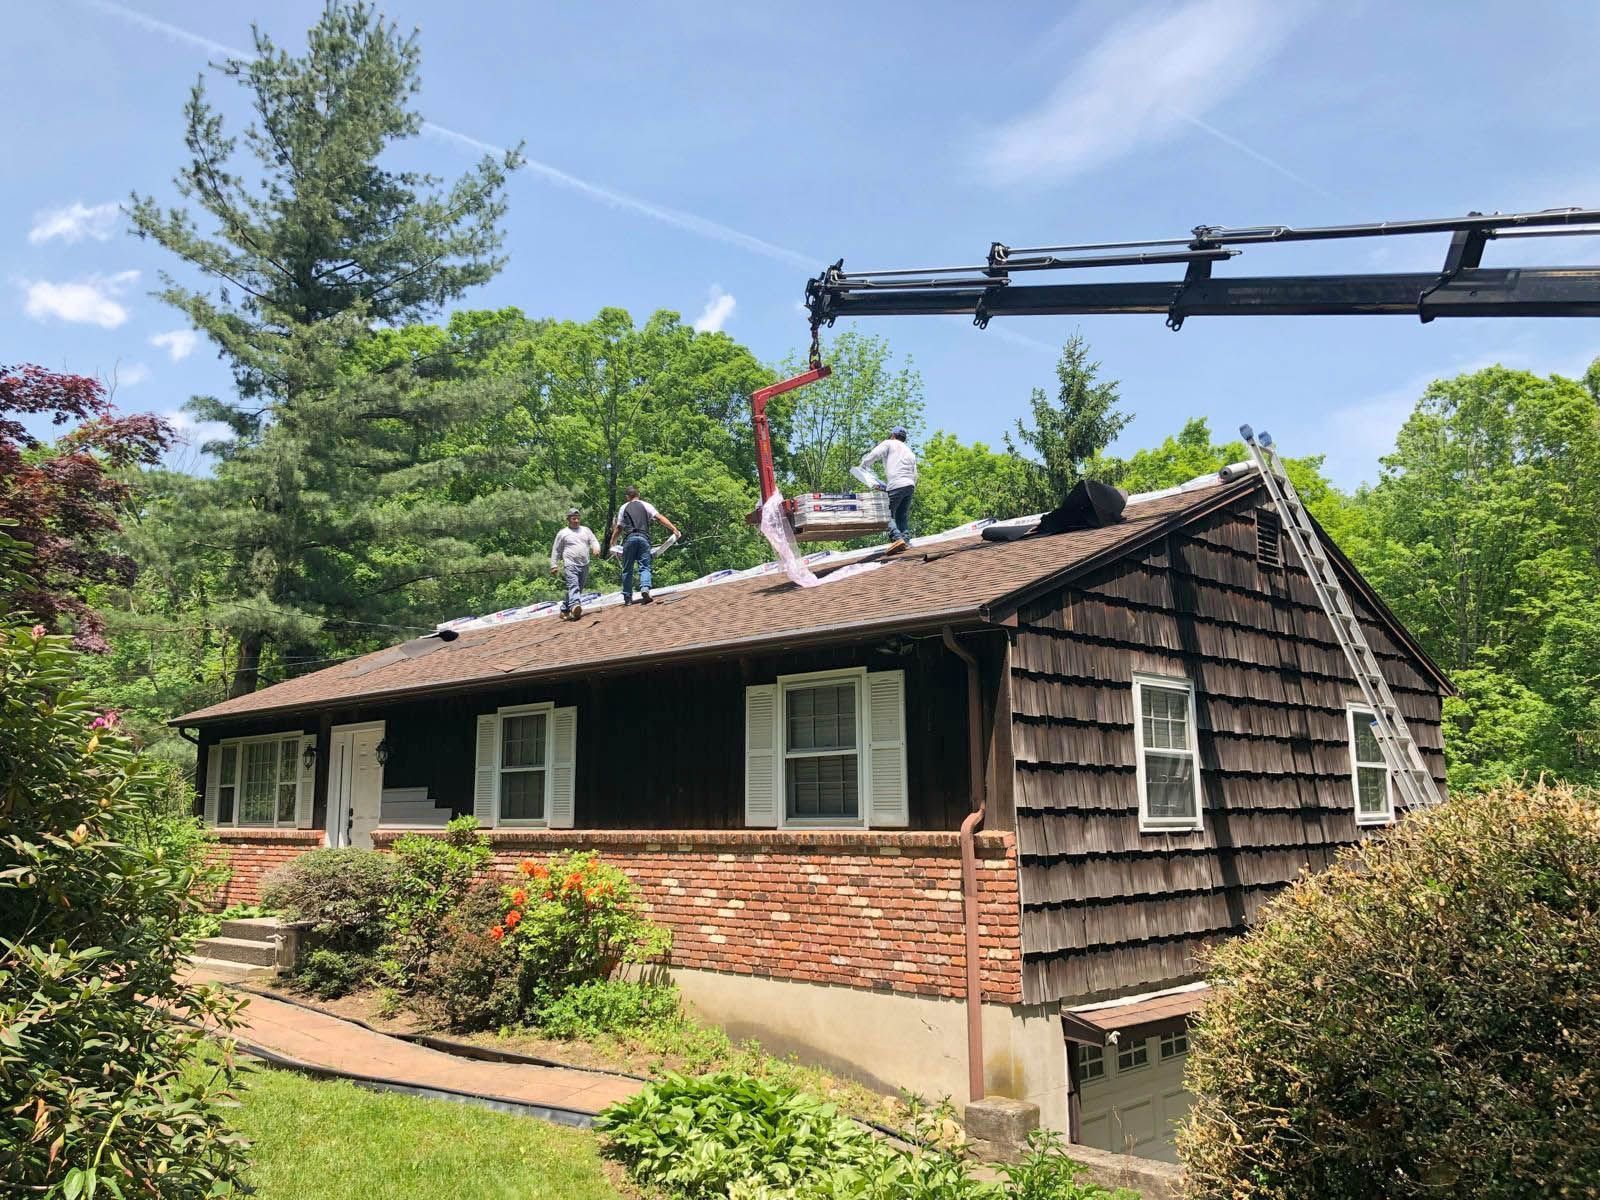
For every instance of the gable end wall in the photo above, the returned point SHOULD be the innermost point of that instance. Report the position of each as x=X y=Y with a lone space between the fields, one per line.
x=1108 y=910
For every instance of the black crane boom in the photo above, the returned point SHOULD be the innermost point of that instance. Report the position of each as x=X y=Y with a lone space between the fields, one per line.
x=1461 y=288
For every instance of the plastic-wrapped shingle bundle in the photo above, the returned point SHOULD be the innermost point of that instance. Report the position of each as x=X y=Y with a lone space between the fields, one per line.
x=828 y=516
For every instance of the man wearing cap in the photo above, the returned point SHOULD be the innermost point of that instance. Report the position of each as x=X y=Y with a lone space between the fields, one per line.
x=900 y=481
x=632 y=529
x=570 y=555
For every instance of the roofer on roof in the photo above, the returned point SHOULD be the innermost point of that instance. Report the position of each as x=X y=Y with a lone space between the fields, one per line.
x=632 y=529
x=900 y=481
x=572 y=548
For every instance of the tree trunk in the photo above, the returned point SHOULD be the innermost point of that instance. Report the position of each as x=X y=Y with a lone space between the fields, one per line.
x=248 y=668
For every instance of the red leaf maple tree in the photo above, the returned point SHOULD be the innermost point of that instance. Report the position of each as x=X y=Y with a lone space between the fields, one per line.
x=65 y=499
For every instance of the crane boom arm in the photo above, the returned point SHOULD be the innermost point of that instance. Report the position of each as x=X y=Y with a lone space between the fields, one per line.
x=1461 y=288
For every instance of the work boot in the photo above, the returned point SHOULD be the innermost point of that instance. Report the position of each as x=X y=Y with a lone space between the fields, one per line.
x=896 y=546
x=644 y=596
x=627 y=599
x=575 y=613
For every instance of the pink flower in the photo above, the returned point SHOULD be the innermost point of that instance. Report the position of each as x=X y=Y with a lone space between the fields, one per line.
x=38 y=632
x=106 y=720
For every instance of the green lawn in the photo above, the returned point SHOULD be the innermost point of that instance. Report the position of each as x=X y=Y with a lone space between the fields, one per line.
x=314 y=1140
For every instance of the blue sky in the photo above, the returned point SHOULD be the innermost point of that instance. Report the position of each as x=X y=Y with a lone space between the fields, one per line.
x=709 y=158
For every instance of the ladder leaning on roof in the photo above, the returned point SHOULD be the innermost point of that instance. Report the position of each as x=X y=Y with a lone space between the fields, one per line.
x=1406 y=765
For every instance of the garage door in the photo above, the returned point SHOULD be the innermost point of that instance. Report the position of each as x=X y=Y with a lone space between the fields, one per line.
x=1132 y=1095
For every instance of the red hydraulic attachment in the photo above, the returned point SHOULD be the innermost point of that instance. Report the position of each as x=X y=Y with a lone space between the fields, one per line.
x=758 y=418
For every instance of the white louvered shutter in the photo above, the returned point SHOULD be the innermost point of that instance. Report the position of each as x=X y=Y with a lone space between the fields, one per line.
x=486 y=780
x=308 y=782
x=762 y=747
x=888 y=801
x=213 y=780
x=563 y=767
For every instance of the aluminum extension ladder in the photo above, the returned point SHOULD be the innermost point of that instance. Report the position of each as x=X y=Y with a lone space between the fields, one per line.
x=1406 y=765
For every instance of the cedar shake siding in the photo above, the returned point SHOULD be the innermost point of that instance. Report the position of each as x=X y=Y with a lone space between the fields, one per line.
x=1108 y=909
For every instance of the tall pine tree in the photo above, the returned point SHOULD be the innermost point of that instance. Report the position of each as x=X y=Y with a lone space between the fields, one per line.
x=330 y=498
x=1082 y=421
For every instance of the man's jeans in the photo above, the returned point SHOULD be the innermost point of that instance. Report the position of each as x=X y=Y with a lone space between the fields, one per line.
x=577 y=577
x=635 y=550
x=900 y=513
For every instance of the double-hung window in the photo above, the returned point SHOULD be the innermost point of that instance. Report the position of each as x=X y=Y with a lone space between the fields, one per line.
x=822 y=751
x=256 y=782
x=524 y=767
x=1168 y=764
x=827 y=749
x=1369 y=774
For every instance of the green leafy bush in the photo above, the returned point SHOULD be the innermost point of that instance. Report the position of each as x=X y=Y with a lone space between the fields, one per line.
x=93 y=1036
x=430 y=876
x=162 y=822
x=747 y=1138
x=1418 y=1020
x=330 y=973
x=468 y=981
x=341 y=892
x=210 y=924
x=600 y=1006
x=572 y=920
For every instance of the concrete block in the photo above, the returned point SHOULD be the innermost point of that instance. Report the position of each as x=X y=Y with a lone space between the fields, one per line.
x=1001 y=1125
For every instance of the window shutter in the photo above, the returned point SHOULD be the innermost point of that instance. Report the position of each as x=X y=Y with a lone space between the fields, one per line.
x=563 y=767
x=762 y=747
x=888 y=802
x=485 y=786
x=213 y=780
x=308 y=783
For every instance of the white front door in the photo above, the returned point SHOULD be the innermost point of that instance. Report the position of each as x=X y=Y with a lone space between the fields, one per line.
x=355 y=784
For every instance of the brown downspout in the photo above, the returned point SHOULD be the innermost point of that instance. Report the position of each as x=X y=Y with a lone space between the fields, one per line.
x=969 y=867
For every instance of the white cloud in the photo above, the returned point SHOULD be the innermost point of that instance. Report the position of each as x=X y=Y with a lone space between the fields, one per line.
x=178 y=344
x=716 y=312
x=74 y=223
x=1121 y=94
x=131 y=375
x=195 y=433
x=90 y=301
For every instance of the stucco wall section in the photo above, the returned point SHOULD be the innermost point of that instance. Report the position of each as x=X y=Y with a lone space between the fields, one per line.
x=252 y=854
x=872 y=911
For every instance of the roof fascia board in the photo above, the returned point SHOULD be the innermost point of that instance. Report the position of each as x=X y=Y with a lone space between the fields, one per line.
x=963 y=618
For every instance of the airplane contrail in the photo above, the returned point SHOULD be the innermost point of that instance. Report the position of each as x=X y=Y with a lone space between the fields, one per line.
x=1230 y=140
x=677 y=218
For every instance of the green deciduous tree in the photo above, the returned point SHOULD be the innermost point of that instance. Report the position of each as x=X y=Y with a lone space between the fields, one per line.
x=322 y=504
x=958 y=483
x=822 y=430
x=1067 y=432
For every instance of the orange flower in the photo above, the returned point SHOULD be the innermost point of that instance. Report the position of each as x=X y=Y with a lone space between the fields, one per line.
x=540 y=871
x=588 y=893
x=519 y=897
x=527 y=866
x=497 y=933
x=512 y=918
x=573 y=884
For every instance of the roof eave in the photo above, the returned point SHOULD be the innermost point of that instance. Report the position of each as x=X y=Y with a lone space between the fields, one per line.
x=966 y=615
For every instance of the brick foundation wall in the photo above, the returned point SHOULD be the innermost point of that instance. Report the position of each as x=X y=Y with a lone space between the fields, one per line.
x=879 y=910
x=254 y=853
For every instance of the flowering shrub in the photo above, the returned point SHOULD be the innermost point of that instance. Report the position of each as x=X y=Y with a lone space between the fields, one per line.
x=429 y=879
x=571 y=920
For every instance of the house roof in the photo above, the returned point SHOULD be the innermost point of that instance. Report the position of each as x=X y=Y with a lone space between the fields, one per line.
x=967 y=581
x=1093 y=1022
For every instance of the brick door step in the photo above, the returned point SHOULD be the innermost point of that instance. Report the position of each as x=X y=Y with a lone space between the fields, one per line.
x=244 y=951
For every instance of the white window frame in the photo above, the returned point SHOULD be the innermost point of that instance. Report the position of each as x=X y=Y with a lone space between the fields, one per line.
x=1148 y=823
x=1133 y=1047
x=546 y=709
x=1386 y=817
x=810 y=679
x=238 y=744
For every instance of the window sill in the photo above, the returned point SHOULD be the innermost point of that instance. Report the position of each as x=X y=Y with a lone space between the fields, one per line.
x=264 y=833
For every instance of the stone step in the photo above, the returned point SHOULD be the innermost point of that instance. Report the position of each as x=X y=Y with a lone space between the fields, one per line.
x=214 y=970
x=238 y=950
x=251 y=929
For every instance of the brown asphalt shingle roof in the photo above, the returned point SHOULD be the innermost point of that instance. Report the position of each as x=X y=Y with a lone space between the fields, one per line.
x=964 y=581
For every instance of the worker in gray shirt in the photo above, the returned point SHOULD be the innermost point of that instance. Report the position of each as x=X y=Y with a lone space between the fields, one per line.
x=570 y=557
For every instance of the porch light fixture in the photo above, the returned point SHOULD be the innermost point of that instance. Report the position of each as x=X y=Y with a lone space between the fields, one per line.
x=382 y=751
x=308 y=756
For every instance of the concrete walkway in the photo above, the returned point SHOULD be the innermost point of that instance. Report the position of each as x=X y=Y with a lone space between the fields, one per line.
x=320 y=1040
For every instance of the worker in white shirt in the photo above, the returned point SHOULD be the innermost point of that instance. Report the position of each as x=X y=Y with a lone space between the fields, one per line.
x=632 y=530
x=900 y=481
x=570 y=556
